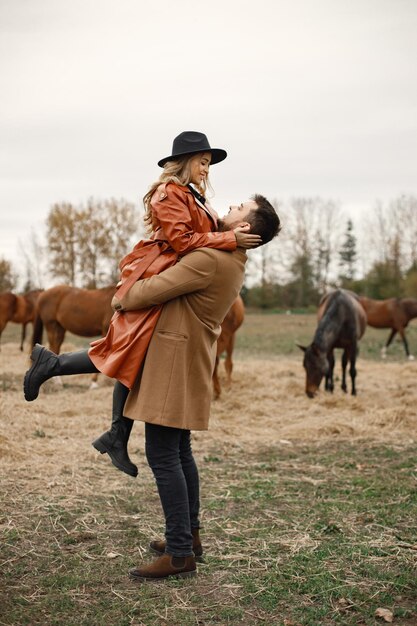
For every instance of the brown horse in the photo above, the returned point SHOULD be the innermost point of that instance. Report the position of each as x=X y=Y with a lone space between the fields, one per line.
x=226 y=341
x=25 y=310
x=83 y=312
x=342 y=322
x=8 y=303
x=394 y=313
x=19 y=309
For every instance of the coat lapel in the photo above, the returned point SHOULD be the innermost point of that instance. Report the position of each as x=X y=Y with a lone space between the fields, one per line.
x=209 y=212
x=205 y=206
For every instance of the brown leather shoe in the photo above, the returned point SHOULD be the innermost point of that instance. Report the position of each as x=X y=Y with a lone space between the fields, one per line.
x=159 y=547
x=166 y=566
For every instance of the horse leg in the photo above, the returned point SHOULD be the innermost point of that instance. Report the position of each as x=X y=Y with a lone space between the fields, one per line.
x=329 y=386
x=228 y=364
x=2 y=327
x=390 y=338
x=56 y=334
x=216 y=382
x=23 y=336
x=344 y=365
x=94 y=383
x=405 y=342
x=352 y=370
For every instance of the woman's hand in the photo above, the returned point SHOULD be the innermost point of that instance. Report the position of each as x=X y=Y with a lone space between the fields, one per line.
x=245 y=239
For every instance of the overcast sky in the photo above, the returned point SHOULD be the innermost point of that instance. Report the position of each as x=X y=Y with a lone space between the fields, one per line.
x=307 y=96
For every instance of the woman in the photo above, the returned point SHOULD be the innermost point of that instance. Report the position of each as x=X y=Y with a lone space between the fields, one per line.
x=180 y=220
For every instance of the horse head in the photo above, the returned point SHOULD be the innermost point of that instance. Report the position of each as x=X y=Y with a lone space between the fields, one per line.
x=316 y=365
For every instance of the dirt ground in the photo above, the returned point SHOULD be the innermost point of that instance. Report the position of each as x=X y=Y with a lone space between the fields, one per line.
x=73 y=524
x=266 y=405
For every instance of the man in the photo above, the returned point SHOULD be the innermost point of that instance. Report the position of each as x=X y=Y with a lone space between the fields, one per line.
x=173 y=393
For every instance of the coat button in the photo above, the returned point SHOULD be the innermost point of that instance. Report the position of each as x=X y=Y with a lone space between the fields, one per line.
x=162 y=196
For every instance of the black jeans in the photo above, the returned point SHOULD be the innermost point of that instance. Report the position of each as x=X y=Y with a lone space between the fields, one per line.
x=171 y=460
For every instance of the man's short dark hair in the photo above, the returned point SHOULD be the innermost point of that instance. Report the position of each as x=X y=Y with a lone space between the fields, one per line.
x=264 y=220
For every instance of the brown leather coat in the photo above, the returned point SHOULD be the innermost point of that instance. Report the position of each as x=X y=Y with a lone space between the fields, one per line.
x=181 y=225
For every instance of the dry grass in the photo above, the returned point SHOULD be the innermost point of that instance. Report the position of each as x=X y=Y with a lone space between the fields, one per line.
x=265 y=405
x=80 y=524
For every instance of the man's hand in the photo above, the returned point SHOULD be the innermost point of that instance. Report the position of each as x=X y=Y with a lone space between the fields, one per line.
x=245 y=239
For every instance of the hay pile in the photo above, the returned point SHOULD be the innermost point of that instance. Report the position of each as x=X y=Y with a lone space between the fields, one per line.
x=266 y=405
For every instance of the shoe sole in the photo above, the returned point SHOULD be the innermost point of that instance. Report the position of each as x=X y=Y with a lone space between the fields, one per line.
x=100 y=447
x=34 y=357
x=140 y=579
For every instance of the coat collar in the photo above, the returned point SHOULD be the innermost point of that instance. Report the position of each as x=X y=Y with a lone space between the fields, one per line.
x=198 y=198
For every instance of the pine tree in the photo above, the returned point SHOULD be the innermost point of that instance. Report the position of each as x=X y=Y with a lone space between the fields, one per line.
x=348 y=254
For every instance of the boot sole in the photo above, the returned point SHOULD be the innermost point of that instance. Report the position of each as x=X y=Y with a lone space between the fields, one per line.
x=100 y=447
x=34 y=357
x=139 y=579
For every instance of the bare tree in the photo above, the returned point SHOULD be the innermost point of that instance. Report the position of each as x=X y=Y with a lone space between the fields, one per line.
x=34 y=258
x=86 y=244
x=8 y=277
x=265 y=264
x=404 y=210
x=126 y=229
x=62 y=233
x=93 y=242
x=314 y=230
x=392 y=231
x=328 y=238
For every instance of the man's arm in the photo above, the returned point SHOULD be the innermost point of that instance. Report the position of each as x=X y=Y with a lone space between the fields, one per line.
x=192 y=273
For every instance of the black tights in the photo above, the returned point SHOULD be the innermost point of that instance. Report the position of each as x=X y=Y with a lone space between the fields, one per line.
x=80 y=363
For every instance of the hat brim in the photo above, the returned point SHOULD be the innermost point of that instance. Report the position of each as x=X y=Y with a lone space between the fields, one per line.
x=217 y=155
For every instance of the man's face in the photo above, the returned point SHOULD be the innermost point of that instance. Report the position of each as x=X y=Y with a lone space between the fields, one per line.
x=238 y=214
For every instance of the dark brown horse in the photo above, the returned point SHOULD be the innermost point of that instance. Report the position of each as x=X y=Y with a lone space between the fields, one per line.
x=8 y=303
x=226 y=341
x=394 y=313
x=342 y=322
x=83 y=312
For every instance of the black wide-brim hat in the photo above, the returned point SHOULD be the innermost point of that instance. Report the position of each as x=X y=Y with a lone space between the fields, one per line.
x=191 y=142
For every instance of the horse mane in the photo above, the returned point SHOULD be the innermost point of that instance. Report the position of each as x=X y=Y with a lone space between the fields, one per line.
x=409 y=306
x=328 y=317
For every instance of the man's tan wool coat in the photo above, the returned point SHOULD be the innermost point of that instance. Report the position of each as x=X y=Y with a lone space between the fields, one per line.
x=175 y=387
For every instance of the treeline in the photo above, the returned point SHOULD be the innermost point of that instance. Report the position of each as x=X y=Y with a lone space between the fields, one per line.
x=319 y=248
x=82 y=245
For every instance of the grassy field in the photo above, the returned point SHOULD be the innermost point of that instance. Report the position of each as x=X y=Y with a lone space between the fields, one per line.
x=273 y=335
x=302 y=535
x=298 y=530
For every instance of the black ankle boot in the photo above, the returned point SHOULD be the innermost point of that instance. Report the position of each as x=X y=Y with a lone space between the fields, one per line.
x=114 y=441
x=46 y=364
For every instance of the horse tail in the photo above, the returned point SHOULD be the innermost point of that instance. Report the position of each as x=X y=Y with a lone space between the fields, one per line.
x=37 y=329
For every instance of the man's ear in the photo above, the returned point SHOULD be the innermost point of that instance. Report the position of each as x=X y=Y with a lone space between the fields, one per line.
x=243 y=225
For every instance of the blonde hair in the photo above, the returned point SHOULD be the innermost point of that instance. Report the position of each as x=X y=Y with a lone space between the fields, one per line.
x=178 y=172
